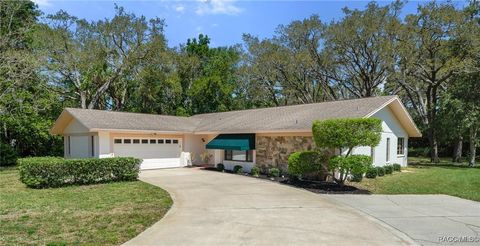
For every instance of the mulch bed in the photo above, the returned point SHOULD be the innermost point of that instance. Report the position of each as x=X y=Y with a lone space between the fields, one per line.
x=320 y=187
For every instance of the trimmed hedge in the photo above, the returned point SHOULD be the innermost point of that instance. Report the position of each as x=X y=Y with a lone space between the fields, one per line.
x=380 y=171
x=44 y=172
x=388 y=169
x=371 y=173
x=274 y=172
x=238 y=169
x=255 y=171
x=397 y=167
x=305 y=162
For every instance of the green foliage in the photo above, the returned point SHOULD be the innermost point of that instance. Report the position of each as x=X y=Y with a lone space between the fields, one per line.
x=380 y=171
x=8 y=156
x=397 y=167
x=274 y=172
x=359 y=36
x=371 y=173
x=347 y=133
x=238 y=169
x=44 y=172
x=388 y=169
x=305 y=162
x=354 y=164
x=255 y=171
x=220 y=167
x=356 y=177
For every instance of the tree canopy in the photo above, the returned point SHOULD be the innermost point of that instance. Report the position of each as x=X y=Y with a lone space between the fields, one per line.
x=429 y=58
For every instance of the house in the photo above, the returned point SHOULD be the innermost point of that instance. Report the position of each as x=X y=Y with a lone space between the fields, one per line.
x=263 y=136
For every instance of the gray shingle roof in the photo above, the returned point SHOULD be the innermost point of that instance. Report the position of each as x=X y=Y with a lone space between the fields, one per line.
x=102 y=119
x=295 y=117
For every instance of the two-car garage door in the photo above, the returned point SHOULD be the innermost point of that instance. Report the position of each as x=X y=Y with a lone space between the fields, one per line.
x=155 y=152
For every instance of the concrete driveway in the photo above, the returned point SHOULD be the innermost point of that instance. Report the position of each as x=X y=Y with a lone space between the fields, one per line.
x=428 y=219
x=212 y=208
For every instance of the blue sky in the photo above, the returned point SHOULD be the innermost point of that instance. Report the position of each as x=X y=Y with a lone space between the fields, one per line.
x=224 y=21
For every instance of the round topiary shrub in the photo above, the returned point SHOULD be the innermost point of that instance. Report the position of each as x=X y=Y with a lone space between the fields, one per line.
x=304 y=163
x=220 y=167
x=388 y=169
x=274 y=172
x=371 y=173
x=397 y=167
x=380 y=171
x=255 y=172
x=356 y=177
x=238 y=169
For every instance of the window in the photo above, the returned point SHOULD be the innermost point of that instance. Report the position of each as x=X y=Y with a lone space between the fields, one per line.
x=69 y=145
x=175 y=141
x=117 y=141
x=93 y=146
x=388 y=149
x=160 y=141
x=153 y=141
x=136 y=141
x=168 y=141
x=144 y=141
x=127 y=141
x=239 y=155
x=401 y=146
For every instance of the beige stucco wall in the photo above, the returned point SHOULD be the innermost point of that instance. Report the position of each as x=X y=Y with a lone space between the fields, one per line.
x=195 y=145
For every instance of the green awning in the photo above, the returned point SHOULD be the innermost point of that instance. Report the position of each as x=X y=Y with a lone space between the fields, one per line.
x=233 y=142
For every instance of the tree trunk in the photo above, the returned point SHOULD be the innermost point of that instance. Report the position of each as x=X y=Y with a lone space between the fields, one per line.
x=432 y=138
x=457 y=149
x=83 y=99
x=473 y=138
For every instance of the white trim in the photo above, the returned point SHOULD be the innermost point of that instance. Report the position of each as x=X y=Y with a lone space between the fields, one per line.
x=381 y=107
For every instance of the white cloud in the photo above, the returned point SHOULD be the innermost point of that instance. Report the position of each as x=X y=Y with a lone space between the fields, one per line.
x=226 y=7
x=180 y=9
x=42 y=2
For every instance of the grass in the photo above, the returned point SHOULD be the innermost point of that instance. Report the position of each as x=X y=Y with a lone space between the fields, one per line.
x=444 y=161
x=450 y=180
x=103 y=214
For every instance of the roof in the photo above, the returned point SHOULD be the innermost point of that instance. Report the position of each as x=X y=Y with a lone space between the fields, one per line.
x=274 y=119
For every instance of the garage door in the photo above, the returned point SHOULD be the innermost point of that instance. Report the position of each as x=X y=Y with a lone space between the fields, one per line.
x=155 y=152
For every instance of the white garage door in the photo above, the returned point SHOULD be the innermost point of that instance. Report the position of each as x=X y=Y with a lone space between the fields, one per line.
x=155 y=152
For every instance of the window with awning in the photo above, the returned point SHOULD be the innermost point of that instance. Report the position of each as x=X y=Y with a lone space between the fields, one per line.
x=232 y=142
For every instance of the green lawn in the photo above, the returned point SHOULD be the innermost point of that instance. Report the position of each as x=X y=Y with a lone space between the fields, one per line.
x=456 y=181
x=103 y=214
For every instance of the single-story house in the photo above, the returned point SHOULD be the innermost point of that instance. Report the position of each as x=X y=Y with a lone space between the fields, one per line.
x=265 y=136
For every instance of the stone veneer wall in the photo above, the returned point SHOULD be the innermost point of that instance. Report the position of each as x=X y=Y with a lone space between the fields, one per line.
x=273 y=151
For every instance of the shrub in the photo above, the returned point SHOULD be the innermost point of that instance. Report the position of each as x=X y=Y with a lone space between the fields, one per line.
x=238 y=169
x=274 y=172
x=43 y=172
x=388 y=169
x=354 y=164
x=255 y=171
x=356 y=177
x=305 y=162
x=380 y=171
x=371 y=173
x=220 y=167
x=8 y=155
x=397 y=167
x=347 y=133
